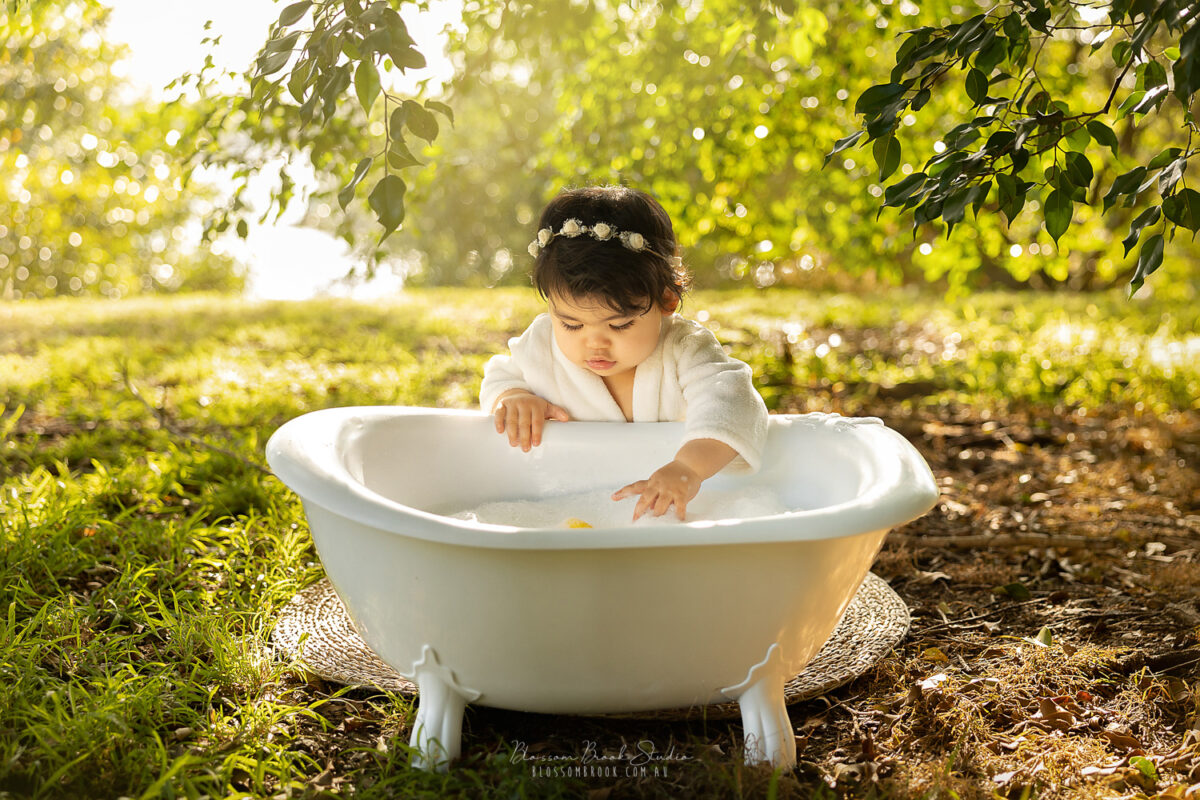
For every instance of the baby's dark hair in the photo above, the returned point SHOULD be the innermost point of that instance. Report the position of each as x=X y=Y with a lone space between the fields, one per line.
x=626 y=280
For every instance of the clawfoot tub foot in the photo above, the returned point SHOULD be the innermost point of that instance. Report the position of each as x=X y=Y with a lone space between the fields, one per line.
x=765 y=724
x=437 y=732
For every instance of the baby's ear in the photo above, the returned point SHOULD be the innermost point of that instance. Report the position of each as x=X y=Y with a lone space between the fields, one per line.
x=669 y=303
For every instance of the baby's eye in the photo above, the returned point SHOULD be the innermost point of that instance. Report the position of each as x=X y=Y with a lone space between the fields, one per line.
x=570 y=327
x=623 y=326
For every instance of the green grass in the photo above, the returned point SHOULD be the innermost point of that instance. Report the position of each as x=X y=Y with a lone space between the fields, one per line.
x=140 y=571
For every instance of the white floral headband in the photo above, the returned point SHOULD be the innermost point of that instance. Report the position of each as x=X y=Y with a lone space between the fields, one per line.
x=600 y=231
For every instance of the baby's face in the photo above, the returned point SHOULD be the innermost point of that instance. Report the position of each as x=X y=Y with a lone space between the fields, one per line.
x=601 y=340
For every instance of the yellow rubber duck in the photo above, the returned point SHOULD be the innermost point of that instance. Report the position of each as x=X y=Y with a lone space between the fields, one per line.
x=577 y=523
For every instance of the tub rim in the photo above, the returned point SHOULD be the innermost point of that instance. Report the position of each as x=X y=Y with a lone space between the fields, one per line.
x=303 y=454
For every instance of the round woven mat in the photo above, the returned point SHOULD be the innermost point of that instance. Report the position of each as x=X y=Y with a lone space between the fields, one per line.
x=315 y=629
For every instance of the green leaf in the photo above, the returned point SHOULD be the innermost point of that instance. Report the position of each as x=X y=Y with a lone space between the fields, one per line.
x=399 y=156
x=347 y=192
x=1124 y=184
x=1144 y=766
x=1170 y=176
x=991 y=54
x=1149 y=259
x=1101 y=38
x=898 y=193
x=1121 y=52
x=1010 y=195
x=300 y=80
x=1044 y=637
x=920 y=99
x=874 y=99
x=1183 y=208
x=977 y=86
x=955 y=205
x=1163 y=158
x=1103 y=135
x=441 y=108
x=1151 y=74
x=842 y=144
x=1079 y=170
x=1057 y=211
x=1038 y=19
x=966 y=34
x=366 y=84
x=272 y=63
x=330 y=89
x=243 y=230
x=420 y=121
x=1015 y=590
x=292 y=14
x=396 y=122
x=985 y=188
x=406 y=57
x=387 y=201
x=1151 y=99
x=887 y=156
x=1079 y=139
x=1019 y=157
x=282 y=44
x=1147 y=217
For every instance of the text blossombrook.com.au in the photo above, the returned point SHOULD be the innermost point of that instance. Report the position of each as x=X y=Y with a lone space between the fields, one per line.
x=642 y=760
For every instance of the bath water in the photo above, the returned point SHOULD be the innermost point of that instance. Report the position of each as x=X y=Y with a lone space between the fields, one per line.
x=599 y=510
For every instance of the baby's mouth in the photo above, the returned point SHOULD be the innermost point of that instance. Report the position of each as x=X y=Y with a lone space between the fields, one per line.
x=600 y=363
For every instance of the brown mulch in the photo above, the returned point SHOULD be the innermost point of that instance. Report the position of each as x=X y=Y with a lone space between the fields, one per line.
x=1054 y=651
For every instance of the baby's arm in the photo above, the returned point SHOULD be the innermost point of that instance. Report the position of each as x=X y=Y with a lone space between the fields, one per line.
x=522 y=415
x=676 y=483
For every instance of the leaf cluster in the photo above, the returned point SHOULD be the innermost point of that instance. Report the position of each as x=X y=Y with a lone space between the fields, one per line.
x=317 y=86
x=1025 y=141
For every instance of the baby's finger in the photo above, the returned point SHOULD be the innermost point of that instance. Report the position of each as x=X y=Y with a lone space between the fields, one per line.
x=557 y=412
x=512 y=425
x=643 y=505
x=498 y=418
x=637 y=487
x=662 y=504
x=537 y=423
x=681 y=509
x=526 y=429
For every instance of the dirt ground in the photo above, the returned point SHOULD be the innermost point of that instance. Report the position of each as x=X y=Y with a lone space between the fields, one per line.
x=1054 y=648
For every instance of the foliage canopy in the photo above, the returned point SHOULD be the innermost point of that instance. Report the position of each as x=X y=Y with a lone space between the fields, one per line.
x=725 y=111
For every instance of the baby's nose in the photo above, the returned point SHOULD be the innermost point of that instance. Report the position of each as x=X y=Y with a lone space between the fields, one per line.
x=597 y=338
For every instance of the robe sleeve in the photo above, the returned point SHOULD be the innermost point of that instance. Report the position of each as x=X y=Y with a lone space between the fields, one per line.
x=503 y=373
x=722 y=402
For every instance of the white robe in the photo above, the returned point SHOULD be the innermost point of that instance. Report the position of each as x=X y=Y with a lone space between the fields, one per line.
x=687 y=378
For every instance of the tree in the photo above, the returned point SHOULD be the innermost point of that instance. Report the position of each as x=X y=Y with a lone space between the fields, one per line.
x=1029 y=134
x=319 y=94
x=90 y=199
x=724 y=111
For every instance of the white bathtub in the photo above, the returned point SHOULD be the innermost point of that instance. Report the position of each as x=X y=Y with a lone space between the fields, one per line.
x=616 y=619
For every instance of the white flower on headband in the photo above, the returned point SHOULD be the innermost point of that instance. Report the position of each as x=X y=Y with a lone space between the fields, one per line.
x=675 y=261
x=600 y=231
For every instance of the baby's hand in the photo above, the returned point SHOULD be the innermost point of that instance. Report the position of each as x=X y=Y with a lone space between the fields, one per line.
x=523 y=415
x=673 y=485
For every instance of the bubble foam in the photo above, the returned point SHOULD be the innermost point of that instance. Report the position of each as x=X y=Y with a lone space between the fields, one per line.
x=598 y=509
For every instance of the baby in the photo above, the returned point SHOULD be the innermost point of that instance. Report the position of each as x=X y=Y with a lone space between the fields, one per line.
x=612 y=347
